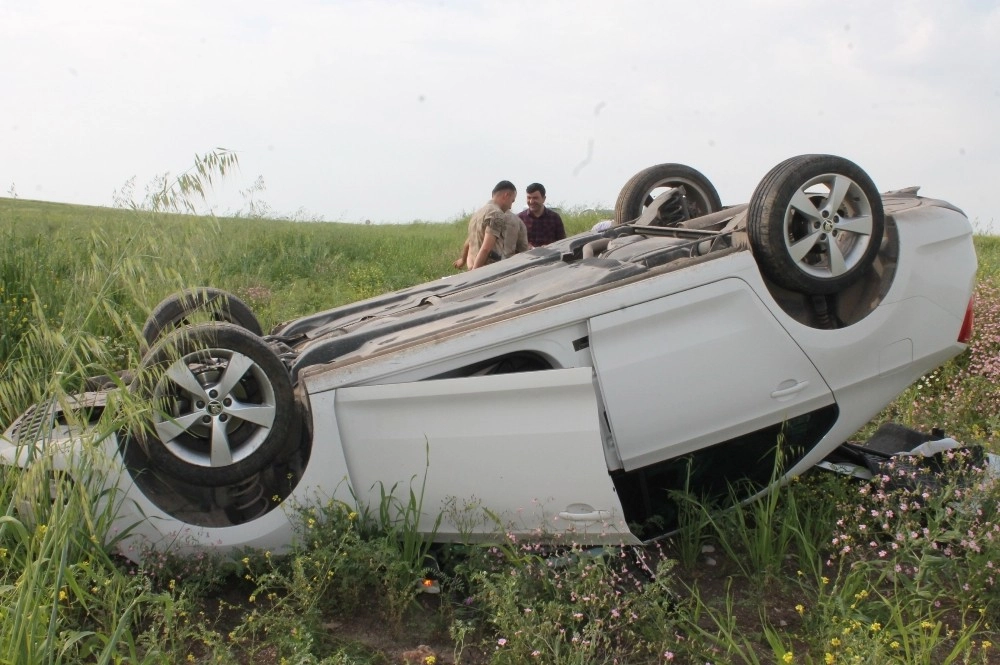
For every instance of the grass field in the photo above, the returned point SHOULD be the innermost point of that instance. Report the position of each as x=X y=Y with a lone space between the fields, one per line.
x=823 y=571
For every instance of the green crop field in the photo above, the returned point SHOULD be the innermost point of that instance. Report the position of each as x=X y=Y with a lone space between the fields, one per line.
x=824 y=570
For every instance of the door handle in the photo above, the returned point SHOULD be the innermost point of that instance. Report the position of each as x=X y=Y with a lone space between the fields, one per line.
x=789 y=390
x=581 y=512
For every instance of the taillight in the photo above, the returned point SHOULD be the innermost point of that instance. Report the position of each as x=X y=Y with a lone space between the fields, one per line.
x=965 y=334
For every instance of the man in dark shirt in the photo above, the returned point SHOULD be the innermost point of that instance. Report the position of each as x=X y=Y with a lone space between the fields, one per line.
x=544 y=225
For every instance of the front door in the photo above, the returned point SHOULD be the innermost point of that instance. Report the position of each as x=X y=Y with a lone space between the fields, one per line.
x=696 y=368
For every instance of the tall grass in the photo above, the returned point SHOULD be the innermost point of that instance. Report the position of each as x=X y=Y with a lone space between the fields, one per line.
x=70 y=312
x=63 y=597
x=75 y=287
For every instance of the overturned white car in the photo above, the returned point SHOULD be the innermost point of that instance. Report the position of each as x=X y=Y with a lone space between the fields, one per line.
x=570 y=389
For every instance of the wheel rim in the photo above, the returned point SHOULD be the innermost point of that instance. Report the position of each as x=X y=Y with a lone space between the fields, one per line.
x=216 y=407
x=828 y=226
x=698 y=202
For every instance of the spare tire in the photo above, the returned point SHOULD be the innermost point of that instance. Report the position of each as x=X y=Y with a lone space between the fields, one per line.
x=212 y=304
x=642 y=188
x=815 y=223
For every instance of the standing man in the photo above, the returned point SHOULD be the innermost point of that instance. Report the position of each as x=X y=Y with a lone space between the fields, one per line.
x=544 y=225
x=488 y=227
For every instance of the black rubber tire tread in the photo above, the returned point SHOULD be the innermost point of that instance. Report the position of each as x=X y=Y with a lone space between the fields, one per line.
x=174 y=310
x=765 y=222
x=286 y=430
x=633 y=194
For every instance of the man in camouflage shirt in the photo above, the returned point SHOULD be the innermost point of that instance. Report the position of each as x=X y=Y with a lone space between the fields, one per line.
x=488 y=228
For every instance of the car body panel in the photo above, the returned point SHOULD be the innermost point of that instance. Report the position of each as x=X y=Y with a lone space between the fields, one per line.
x=139 y=524
x=527 y=446
x=654 y=348
x=427 y=346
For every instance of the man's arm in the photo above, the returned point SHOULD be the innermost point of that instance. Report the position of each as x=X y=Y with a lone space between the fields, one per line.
x=495 y=226
x=489 y=240
x=460 y=261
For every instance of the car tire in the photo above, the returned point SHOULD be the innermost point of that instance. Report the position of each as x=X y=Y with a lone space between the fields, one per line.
x=174 y=311
x=815 y=223
x=637 y=193
x=221 y=402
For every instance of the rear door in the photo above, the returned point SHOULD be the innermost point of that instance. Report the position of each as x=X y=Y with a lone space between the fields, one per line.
x=698 y=367
x=514 y=452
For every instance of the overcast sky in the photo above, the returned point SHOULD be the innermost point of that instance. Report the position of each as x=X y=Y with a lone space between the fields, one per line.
x=396 y=111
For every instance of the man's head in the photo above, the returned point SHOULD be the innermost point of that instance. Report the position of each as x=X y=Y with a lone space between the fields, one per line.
x=536 y=198
x=504 y=194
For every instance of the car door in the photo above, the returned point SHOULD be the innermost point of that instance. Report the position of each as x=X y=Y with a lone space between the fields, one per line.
x=696 y=368
x=520 y=453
